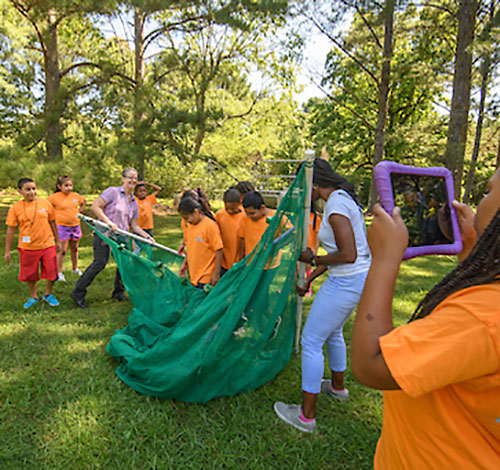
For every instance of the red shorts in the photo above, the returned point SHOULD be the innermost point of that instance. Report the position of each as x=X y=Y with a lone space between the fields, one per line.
x=29 y=261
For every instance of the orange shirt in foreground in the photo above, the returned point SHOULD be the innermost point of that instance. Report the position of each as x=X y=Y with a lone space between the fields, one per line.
x=34 y=220
x=251 y=231
x=447 y=415
x=67 y=207
x=229 y=225
x=145 y=219
x=202 y=241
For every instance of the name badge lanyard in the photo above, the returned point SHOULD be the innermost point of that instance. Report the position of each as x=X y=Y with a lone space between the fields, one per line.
x=26 y=215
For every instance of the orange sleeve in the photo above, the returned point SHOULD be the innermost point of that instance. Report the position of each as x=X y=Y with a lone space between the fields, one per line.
x=449 y=346
x=52 y=212
x=215 y=239
x=152 y=198
x=12 y=220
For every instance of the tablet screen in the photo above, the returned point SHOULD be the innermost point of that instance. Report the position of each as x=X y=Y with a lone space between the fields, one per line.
x=424 y=207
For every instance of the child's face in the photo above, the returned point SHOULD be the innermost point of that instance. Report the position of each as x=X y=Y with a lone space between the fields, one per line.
x=255 y=214
x=489 y=205
x=194 y=218
x=28 y=191
x=141 y=192
x=66 y=187
x=232 y=208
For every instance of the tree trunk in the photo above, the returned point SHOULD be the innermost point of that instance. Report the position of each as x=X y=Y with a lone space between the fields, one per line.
x=138 y=116
x=469 y=183
x=460 y=102
x=54 y=102
x=497 y=165
x=383 y=93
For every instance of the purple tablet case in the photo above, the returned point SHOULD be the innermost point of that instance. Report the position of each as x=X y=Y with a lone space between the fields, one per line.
x=382 y=174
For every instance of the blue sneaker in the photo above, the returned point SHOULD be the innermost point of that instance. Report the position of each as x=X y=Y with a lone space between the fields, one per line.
x=30 y=302
x=51 y=300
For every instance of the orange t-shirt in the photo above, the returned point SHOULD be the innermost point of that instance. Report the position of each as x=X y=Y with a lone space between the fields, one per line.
x=447 y=414
x=145 y=219
x=251 y=231
x=202 y=241
x=312 y=236
x=67 y=208
x=229 y=225
x=33 y=218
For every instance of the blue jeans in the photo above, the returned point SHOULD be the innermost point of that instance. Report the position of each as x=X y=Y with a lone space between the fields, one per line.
x=333 y=305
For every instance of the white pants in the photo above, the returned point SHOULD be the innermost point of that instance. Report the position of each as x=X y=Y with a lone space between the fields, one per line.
x=333 y=305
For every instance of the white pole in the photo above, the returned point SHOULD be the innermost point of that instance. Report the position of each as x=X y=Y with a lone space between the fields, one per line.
x=104 y=225
x=309 y=157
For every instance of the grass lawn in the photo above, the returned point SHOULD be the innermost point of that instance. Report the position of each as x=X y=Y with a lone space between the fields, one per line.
x=62 y=406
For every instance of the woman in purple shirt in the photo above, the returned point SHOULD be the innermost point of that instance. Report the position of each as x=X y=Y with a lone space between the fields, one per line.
x=117 y=207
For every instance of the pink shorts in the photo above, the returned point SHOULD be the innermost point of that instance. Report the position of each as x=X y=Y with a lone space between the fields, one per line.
x=69 y=233
x=30 y=260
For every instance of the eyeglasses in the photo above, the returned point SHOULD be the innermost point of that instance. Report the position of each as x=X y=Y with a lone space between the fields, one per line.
x=131 y=177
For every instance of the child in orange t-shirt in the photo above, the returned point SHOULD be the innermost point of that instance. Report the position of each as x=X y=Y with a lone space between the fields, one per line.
x=254 y=223
x=203 y=244
x=441 y=371
x=37 y=232
x=67 y=205
x=228 y=220
x=145 y=203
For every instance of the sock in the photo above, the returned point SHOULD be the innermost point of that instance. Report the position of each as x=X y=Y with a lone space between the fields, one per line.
x=336 y=390
x=303 y=418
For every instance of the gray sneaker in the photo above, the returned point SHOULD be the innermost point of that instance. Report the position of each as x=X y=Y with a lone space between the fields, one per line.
x=326 y=387
x=291 y=414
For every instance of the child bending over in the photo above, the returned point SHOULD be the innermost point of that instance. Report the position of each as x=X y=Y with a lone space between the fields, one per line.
x=203 y=244
x=229 y=220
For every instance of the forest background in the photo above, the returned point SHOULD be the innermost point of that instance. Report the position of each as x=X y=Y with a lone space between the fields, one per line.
x=197 y=93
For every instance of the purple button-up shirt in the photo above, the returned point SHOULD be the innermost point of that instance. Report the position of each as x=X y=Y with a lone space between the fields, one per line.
x=119 y=208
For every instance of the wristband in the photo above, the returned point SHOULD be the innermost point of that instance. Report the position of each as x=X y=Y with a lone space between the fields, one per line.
x=313 y=262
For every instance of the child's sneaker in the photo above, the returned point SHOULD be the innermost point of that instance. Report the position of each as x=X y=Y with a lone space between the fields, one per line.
x=292 y=414
x=326 y=387
x=60 y=277
x=30 y=302
x=51 y=300
x=77 y=271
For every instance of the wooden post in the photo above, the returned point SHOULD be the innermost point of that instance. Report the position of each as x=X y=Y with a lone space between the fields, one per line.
x=309 y=157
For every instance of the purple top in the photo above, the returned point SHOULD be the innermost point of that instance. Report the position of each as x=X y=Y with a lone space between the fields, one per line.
x=119 y=208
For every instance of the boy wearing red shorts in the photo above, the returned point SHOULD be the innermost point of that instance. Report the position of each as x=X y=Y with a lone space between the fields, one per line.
x=37 y=232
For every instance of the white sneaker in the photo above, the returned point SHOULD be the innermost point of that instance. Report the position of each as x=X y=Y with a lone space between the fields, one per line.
x=326 y=387
x=77 y=271
x=290 y=414
x=60 y=277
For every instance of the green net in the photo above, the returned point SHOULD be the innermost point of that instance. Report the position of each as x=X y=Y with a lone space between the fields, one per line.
x=184 y=343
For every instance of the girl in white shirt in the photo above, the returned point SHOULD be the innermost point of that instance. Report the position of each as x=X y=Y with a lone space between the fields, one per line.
x=343 y=235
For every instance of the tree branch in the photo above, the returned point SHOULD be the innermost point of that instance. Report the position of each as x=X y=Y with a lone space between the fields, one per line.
x=344 y=50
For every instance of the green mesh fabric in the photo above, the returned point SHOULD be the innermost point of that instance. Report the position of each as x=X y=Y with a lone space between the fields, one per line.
x=184 y=343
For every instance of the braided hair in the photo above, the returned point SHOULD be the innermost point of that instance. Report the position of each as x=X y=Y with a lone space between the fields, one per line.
x=200 y=198
x=325 y=177
x=482 y=266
